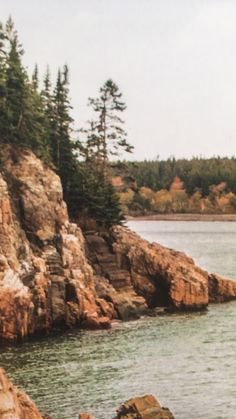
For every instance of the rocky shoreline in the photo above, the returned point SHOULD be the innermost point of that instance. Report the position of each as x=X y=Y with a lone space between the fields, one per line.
x=54 y=276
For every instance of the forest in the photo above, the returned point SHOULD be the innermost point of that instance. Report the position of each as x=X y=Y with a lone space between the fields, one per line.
x=178 y=186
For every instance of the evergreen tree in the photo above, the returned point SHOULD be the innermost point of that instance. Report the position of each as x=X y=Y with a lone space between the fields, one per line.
x=35 y=78
x=24 y=122
x=105 y=137
x=61 y=143
x=2 y=82
x=16 y=89
x=108 y=134
x=49 y=113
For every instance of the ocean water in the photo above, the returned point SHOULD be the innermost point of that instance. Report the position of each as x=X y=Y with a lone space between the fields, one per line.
x=187 y=361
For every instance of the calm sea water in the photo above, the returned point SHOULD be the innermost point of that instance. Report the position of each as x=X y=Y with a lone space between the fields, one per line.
x=188 y=361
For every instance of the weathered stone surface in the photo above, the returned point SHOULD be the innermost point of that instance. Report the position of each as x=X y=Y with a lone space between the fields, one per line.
x=45 y=278
x=221 y=289
x=15 y=404
x=112 y=283
x=145 y=407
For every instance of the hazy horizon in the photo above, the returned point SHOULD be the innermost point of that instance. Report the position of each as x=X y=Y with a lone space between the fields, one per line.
x=174 y=62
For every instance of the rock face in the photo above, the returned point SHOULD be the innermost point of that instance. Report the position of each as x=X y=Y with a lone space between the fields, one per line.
x=45 y=278
x=221 y=289
x=135 y=274
x=113 y=282
x=15 y=404
x=164 y=277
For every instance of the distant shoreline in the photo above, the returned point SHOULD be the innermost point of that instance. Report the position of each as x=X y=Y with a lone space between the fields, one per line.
x=183 y=217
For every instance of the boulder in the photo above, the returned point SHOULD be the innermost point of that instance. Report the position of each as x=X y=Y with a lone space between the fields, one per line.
x=145 y=407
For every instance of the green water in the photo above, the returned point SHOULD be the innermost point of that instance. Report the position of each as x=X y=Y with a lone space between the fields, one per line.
x=187 y=361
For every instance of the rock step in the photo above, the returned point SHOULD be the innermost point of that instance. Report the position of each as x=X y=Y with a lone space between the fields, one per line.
x=109 y=267
x=54 y=264
x=119 y=274
x=55 y=269
x=97 y=244
x=120 y=285
x=106 y=259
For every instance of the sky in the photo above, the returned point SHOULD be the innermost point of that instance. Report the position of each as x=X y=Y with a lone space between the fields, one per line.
x=174 y=61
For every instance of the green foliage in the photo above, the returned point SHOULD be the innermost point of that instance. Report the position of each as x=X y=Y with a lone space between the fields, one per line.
x=92 y=196
x=106 y=134
x=104 y=137
x=197 y=173
x=169 y=186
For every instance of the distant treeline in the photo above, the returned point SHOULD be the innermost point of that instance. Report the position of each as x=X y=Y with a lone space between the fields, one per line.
x=198 y=185
x=197 y=173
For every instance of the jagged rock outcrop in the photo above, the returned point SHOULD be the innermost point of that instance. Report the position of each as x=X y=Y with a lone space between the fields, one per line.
x=164 y=277
x=15 y=404
x=129 y=268
x=45 y=278
x=167 y=277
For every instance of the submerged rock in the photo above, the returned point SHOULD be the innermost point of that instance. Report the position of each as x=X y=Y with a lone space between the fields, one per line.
x=145 y=407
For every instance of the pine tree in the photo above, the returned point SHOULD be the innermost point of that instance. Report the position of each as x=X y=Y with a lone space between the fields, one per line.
x=104 y=137
x=16 y=89
x=35 y=78
x=49 y=113
x=110 y=136
x=2 y=82
x=61 y=143
x=22 y=114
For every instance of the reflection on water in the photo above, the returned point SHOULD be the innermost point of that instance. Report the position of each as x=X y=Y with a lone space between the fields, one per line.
x=187 y=361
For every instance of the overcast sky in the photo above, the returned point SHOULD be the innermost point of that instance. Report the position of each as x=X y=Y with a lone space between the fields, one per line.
x=174 y=61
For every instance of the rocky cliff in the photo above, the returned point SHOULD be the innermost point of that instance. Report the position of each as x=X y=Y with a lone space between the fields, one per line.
x=50 y=276
x=45 y=278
